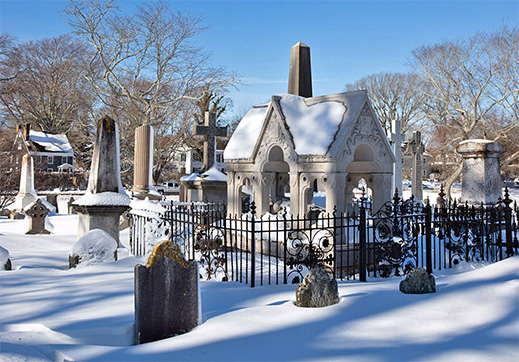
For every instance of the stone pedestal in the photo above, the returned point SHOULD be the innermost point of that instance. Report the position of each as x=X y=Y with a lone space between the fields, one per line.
x=481 y=180
x=106 y=218
x=27 y=194
x=205 y=191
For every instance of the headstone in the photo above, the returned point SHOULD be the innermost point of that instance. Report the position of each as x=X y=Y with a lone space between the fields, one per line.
x=417 y=149
x=418 y=281
x=300 y=73
x=27 y=194
x=37 y=213
x=105 y=199
x=317 y=290
x=94 y=247
x=209 y=131
x=5 y=262
x=481 y=178
x=70 y=208
x=396 y=142
x=167 y=299
x=143 y=164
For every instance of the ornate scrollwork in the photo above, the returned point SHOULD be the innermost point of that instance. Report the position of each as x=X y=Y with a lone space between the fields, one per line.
x=209 y=244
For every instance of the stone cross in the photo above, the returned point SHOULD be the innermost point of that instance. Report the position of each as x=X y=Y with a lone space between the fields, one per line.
x=209 y=131
x=300 y=74
x=396 y=141
x=37 y=213
x=417 y=149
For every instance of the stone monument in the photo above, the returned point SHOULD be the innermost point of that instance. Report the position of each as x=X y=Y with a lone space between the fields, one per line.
x=417 y=149
x=300 y=76
x=418 y=281
x=481 y=179
x=166 y=295
x=105 y=199
x=37 y=212
x=143 y=164
x=317 y=290
x=27 y=194
x=396 y=142
x=211 y=184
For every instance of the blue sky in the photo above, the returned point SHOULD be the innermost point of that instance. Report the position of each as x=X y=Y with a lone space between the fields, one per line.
x=348 y=39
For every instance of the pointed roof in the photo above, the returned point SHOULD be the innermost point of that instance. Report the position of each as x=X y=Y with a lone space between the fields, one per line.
x=312 y=123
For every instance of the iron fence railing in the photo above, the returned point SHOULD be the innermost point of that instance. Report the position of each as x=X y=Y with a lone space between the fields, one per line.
x=281 y=248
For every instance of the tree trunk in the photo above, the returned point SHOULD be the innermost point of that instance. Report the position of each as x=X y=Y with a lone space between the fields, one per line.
x=450 y=180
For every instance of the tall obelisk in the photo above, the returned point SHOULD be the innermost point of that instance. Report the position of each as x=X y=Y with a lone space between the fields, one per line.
x=300 y=74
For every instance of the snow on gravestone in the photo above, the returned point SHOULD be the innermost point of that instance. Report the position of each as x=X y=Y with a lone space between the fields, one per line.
x=167 y=300
x=5 y=262
x=94 y=247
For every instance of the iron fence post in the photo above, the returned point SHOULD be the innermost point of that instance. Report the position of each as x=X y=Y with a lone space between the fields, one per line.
x=253 y=246
x=508 y=224
x=362 y=243
x=428 y=243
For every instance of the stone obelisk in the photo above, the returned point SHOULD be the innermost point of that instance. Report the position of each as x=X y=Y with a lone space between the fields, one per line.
x=27 y=194
x=143 y=163
x=300 y=74
x=105 y=199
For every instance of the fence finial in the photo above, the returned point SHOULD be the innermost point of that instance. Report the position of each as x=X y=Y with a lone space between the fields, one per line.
x=253 y=208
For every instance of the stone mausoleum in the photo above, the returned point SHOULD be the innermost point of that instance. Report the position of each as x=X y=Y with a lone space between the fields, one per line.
x=290 y=147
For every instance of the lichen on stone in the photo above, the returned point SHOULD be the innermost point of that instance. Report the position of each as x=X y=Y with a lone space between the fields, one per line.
x=165 y=249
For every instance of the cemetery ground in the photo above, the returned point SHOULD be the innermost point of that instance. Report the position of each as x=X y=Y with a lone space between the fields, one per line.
x=48 y=312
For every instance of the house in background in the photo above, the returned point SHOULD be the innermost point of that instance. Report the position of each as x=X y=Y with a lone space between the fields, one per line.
x=189 y=160
x=50 y=152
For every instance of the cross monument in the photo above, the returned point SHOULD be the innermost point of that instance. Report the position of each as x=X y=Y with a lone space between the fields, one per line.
x=396 y=141
x=209 y=131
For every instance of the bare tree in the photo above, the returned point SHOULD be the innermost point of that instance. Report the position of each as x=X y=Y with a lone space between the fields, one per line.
x=151 y=68
x=48 y=91
x=463 y=83
x=395 y=96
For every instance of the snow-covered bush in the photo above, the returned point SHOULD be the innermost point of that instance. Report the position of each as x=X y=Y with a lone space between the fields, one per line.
x=95 y=247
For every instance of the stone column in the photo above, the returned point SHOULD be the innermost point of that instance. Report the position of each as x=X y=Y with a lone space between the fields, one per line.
x=481 y=180
x=27 y=194
x=396 y=142
x=143 y=163
x=417 y=149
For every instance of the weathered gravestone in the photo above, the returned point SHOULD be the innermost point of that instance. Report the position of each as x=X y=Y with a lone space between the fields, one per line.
x=418 y=281
x=37 y=212
x=167 y=299
x=317 y=290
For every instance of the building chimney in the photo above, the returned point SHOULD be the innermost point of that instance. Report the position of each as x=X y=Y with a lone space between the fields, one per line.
x=26 y=130
x=300 y=74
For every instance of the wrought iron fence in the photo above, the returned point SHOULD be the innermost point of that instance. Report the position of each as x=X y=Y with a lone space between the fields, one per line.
x=281 y=248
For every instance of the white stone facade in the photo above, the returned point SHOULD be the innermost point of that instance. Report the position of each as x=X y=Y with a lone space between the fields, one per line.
x=288 y=145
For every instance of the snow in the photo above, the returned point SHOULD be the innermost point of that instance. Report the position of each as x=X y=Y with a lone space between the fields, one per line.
x=213 y=174
x=104 y=199
x=49 y=312
x=51 y=142
x=4 y=255
x=476 y=140
x=312 y=122
x=242 y=143
x=94 y=247
x=191 y=177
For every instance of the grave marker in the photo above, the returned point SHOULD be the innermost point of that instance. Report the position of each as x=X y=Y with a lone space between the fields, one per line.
x=209 y=131
x=37 y=213
x=417 y=149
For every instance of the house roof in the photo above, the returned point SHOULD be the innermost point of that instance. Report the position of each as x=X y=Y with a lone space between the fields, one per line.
x=312 y=122
x=48 y=142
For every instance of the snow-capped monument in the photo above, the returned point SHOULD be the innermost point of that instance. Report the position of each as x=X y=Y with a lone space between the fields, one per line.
x=280 y=150
x=105 y=199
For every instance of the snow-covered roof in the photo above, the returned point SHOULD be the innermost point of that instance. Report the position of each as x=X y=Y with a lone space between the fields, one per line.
x=312 y=122
x=50 y=142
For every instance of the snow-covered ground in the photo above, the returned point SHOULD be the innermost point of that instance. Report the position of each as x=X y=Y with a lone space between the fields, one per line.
x=48 y=312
